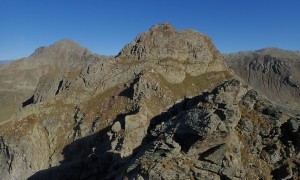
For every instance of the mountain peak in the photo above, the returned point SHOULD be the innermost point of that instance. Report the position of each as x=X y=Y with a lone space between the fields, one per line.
x=66 y=42
x=60 y=46
x=162 y=41
x=163 y=26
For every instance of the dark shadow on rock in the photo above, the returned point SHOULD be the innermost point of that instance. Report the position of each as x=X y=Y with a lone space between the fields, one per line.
x=28 y=101
x=283 y=172
x=98 y=143
x=185 y=104
x=287 y=135
x=273 y=112
x=59 y=87
x=128 y=92
x=121 y=117
x=175 y=110
x=129 y=89
x=82 y=148
x=223 y=177
x=93 y=167
x=85 y=158
x=186 y=140
x=220 y=114
x=81 y=160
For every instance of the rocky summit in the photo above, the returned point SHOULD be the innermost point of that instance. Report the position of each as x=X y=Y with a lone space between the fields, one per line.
x=166 y=107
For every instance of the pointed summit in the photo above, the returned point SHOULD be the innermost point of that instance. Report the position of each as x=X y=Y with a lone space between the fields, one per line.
x=164 y=26
x=162 y=41
x=67 y=43
x=64 y=45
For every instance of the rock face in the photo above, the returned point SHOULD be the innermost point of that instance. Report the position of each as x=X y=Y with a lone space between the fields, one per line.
x=165 y=108
x=273 y=72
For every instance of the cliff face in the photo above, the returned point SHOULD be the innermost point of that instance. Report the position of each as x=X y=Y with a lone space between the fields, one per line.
x=165 y=107
x=272 y=72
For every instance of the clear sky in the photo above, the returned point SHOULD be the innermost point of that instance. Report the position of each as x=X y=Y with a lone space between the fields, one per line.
x=105 y=27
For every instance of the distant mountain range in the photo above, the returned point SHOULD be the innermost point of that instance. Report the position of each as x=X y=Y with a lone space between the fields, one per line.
x=3 y=62
x=271 y=51
x=273 y=72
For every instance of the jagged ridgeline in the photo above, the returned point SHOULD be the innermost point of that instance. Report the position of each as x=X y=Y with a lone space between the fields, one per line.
x=166 y=107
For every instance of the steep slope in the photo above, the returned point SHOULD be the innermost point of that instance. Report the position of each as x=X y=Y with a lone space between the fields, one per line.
x=273 y=72
x=19 y=79
x=67 y=117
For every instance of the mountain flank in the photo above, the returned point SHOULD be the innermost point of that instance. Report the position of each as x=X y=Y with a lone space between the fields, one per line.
x=20 y=78
x=273 y=72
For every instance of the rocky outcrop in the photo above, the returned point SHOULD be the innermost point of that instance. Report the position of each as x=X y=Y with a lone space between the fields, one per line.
x=175 y=51
x=272 y=72
x=244 y=141
x=163 y=41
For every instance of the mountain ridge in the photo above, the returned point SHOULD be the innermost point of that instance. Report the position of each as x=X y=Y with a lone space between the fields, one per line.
x=167 y=107
x=272 y=51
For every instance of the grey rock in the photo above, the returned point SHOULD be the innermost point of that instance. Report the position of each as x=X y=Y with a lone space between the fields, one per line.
x=271 y=111
x=210 y=167
x=246 y=126
x=294 y=124
x=216 y=154
x=196 y=121
x=116 y=127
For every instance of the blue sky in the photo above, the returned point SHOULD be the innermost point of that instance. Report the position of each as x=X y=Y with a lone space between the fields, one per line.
x=105 y=27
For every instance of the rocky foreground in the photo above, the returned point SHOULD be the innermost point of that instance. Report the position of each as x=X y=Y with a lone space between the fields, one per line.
x=166 y=107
